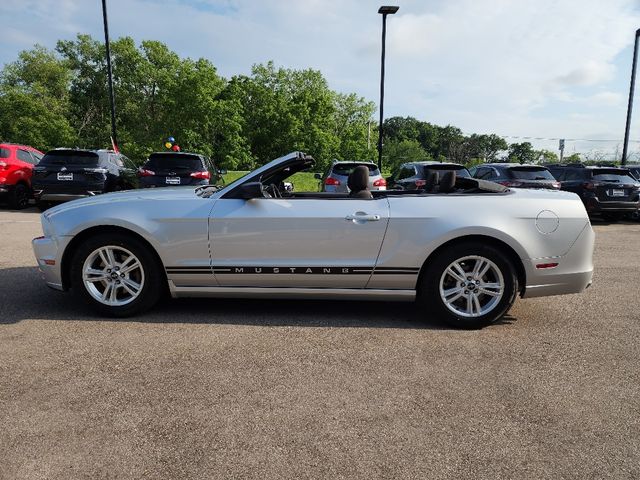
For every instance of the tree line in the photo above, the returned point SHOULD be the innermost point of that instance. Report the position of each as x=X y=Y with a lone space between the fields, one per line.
x=59 y=97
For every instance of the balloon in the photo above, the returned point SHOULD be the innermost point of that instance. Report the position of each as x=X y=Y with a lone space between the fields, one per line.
x=176 y=148
x=171 y=139
x=168 y=144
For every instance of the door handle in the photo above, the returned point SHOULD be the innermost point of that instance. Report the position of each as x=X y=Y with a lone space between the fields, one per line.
x=362 y=217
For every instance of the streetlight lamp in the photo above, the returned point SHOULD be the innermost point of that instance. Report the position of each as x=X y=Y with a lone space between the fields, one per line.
x=630 y=105
x=112 y=100
x=384 y=11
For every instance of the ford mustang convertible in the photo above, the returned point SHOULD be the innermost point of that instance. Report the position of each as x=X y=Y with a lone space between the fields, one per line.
x=463 y=248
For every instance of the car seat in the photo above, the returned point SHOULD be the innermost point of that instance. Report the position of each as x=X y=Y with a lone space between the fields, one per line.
x=358 y=183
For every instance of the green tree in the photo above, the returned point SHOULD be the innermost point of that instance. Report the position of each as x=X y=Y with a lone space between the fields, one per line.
x=34 y=100
x=395 y=152
x=546 y=156
x=522 y=153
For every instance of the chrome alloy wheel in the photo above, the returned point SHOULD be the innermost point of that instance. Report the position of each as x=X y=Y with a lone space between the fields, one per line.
x=113 y=275
x=471 y=286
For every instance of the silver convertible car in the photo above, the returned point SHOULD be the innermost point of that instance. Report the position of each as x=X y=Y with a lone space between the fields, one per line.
x=464 y=248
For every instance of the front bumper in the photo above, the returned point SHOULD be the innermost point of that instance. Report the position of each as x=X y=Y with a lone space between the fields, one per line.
x=572 y=275
x=48 y=252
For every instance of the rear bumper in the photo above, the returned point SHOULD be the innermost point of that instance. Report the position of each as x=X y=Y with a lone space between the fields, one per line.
x=593 y=205
x=572 y=275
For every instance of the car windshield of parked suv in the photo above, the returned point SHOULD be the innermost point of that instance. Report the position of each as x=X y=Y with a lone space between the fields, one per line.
x=460 y=170
x=164 y=161
x=346 y=168
x=531 y=173
x=614 y=176
x=70 y=157
x=4 y=153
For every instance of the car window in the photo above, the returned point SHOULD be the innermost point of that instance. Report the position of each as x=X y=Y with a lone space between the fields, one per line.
x=116 y=160
x=531 y=173
x=174 y=162
x=36 y=156
x=24 y=156
x=485 y=173
x=574 y=175
x=406 y=172
x=5 y=153
x=70 y=157
x=558 y=173
x=345 y=169
x=460 y=170
x=614 y=176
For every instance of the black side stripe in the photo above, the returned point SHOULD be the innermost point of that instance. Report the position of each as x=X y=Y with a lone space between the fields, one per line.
x=341 y=270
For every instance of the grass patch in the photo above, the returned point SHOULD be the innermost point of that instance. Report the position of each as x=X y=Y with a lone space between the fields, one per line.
x=302 y=181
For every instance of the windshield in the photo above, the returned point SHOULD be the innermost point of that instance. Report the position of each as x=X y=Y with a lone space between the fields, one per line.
x=173 y=162
x=70 y=157
x=531 y=173
x=345 y=169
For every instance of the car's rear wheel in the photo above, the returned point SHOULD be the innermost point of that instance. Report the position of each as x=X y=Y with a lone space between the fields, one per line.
x=116 y=275
x=19 y=197
x=469 y=285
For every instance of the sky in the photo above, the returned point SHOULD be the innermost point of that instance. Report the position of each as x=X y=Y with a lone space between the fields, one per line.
x=517 y=68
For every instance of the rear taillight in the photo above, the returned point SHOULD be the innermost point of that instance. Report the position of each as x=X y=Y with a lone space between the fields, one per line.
x=508 y=183
x=143 y=172
x=556 y=185
x=420 y=183
x=381 y=182
x=4 y=166
x=331 y=181
x=201 y=175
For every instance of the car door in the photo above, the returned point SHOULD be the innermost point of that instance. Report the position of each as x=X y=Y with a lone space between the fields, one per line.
x=296 y=242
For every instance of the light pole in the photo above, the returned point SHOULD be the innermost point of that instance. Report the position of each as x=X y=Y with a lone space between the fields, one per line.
x=112 y=98
x=625 y=148
x=384 y=11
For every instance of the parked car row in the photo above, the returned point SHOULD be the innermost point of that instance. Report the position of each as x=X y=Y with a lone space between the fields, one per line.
x=66 y=174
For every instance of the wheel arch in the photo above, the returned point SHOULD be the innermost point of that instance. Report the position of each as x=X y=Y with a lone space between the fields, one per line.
x=67 y=256
x=484 y=240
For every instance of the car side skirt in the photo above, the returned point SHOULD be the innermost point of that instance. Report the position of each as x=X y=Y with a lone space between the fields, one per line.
x=293 y=293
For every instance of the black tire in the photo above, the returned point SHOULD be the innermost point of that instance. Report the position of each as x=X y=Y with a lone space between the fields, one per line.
x=431 y=302
x=19 y=197
x=153 y=287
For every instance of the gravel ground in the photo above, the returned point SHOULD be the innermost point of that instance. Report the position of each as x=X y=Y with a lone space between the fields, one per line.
x=249 y=389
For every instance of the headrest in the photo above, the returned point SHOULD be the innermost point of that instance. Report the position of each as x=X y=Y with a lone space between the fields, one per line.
x=358 y=179
x=447 y=182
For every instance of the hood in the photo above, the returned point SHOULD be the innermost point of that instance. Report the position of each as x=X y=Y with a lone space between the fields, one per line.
x=128 y=197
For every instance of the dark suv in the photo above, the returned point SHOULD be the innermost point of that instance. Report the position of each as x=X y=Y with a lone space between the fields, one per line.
x=609 y=191
x=67 y=174
x=516 y=175
x=413 y=175
x=166 y=169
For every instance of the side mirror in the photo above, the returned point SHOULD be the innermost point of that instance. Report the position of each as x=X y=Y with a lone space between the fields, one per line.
x=317 y=176
x=222 y=171
x=251 y=190
x=288 y=186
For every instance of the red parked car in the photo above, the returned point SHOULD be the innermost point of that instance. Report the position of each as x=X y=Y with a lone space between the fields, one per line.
x=16 y=167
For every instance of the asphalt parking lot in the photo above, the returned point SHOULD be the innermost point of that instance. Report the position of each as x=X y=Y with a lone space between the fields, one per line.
x=206 y=388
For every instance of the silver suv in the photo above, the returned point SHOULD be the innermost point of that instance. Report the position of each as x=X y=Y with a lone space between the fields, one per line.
x=335 y=180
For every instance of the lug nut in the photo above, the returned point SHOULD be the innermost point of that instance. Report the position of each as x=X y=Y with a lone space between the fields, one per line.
x=466 y=292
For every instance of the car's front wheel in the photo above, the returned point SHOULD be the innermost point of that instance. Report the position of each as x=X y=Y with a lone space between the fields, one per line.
x=19 y=197
x=469 y=285
x=116 y=275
